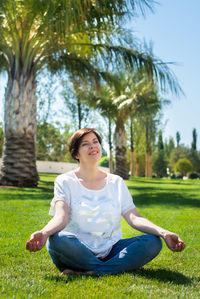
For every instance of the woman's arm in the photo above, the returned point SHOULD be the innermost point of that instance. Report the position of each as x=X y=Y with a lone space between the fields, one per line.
x=57 y=223
x=142 y=224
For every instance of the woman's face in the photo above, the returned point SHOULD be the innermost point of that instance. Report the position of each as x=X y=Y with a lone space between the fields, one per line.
x=89 y=148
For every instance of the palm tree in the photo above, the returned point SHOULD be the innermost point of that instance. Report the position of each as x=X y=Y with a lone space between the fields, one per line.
x=39 y=33
x=133 y=96
x=133 y=100
x=100 y=100
x=70 y=35
x=152 y=104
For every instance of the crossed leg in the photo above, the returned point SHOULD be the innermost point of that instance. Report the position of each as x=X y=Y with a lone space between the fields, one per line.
x=71 y=256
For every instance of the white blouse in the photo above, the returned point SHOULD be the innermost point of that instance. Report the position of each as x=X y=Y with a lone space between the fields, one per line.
x=94 y=215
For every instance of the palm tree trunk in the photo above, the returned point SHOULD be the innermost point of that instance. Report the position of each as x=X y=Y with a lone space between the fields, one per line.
x=111 y=162
x=148 y=160
x=110 y=145
x=137 y=169
x=19 y=161
x=120 y=150
x=132 y=162
x=148 y=165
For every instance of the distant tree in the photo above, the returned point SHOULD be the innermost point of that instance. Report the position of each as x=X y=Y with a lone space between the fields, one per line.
x=159 y=162
x=194 y=139
x=178 y=153
x=104 y=161
x=178 y=138
x=160 y=141
x=51 y=145
x=168 y=147
x=194 y=157
x=185 y=152
x=45 y=92
x=183 y=166
x=75 y=94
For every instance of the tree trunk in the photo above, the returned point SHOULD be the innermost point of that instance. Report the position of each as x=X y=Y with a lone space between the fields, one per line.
x=148 y=165
x=110 y=145
x=79 y=114
x=19 y=161
x=111 y=162
x=120 y=150
x=148 y=160
x=137 y=169
x=132 y=162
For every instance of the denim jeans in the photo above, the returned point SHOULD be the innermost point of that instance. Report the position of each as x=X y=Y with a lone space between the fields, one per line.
x=67 y=252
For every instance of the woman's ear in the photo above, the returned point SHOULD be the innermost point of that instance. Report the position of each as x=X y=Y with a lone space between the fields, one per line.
x=77 y=157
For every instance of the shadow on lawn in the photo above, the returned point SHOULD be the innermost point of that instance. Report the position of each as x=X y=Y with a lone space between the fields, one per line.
x=40 y=193
x=162 y=275
x=46 y=184
x=166 y=276
x=149 y=196
x=165 y=182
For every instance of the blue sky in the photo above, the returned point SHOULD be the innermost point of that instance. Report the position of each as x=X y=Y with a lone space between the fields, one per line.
x=174 y=29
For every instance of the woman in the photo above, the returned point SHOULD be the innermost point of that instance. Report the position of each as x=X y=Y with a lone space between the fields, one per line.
x=84 y=236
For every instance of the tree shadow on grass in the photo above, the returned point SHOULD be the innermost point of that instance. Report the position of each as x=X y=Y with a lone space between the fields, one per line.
x=174 y=198
x=165 y=182
x=166 y=276
x=41 y=193
x=46 y=184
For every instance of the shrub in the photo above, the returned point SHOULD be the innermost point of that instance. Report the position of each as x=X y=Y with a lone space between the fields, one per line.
x=104 y=161
x=178 y=175
x=173 y=176
x=183 y=166
x=193 y=175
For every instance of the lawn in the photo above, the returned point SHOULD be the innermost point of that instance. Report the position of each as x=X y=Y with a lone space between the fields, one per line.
x=172 y=204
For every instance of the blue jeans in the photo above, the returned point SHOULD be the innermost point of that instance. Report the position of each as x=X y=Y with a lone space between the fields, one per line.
x=67 y=252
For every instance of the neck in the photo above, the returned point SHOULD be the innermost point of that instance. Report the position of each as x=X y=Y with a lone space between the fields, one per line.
x=89 y=171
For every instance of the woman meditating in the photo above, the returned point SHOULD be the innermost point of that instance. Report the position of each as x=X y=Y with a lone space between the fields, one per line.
x=84 y=236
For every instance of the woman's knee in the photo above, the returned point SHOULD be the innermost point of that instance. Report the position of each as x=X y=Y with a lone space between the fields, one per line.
x=154 y=245
x=58 y=242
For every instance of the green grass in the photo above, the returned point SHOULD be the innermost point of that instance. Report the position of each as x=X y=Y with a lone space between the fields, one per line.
x=171 y=204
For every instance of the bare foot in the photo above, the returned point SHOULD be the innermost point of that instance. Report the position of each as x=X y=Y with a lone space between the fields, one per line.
x=69 y=271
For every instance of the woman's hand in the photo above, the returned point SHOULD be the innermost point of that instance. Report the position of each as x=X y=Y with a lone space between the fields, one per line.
x=37 y=241
x=57 y=223
x=173 y=242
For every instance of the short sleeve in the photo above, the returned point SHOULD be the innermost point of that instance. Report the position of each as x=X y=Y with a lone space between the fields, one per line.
x=126 y=198
x=61 y=192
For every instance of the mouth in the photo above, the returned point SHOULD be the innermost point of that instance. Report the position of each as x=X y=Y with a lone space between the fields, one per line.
x=93 y=153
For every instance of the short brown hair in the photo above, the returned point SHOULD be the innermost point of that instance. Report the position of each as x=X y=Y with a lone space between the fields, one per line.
x=76 y=138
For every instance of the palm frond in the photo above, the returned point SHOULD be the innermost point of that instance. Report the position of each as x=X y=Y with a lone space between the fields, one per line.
x=79 y=65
